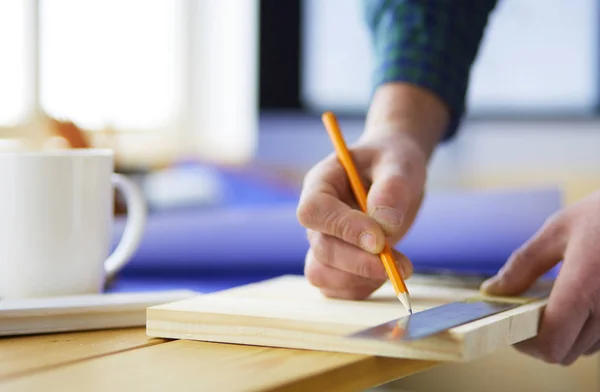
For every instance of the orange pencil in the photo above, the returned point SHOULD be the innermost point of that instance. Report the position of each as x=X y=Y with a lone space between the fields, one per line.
x=387 y=258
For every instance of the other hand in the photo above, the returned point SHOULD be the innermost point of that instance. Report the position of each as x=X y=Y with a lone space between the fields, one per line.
x=570 y=323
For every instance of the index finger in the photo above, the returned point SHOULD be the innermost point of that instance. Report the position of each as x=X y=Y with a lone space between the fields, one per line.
x=322 y=208
x=329 y=177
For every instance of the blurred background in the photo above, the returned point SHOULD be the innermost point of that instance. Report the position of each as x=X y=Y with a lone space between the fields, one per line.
x=213 y=107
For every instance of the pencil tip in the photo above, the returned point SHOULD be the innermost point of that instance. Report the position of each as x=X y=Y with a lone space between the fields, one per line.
x=405 y=300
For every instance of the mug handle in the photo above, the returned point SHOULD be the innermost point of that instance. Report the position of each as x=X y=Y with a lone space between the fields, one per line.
x=134 y=226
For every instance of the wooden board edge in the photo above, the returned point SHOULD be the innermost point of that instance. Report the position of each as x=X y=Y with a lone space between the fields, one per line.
x=306 y=341
x=521 y=324
x=460 y=344
x=465 y=338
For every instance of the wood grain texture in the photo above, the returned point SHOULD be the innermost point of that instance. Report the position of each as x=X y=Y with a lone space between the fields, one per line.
x=289 y=312
x=21 y=356
x=200 y=366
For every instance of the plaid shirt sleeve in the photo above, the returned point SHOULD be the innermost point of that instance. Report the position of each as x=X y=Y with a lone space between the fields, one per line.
x=428 y=43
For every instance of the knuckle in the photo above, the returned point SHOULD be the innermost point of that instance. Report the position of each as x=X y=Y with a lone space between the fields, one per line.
x=319 y=171
x=313 y=173
x=331 y=222
x=341 y=226
x=307 y=212
x=349 y=232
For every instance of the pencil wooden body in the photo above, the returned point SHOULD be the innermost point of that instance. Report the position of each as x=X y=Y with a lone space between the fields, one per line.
x=392 y=270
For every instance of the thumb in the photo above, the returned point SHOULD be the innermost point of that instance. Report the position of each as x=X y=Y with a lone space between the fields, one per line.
x=395 y=195
x=536 y=257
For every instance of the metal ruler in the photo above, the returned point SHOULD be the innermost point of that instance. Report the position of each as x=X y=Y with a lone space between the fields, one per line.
x=441 y=318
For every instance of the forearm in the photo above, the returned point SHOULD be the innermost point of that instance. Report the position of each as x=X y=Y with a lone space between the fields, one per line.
x=409 y=110
x=423 y=52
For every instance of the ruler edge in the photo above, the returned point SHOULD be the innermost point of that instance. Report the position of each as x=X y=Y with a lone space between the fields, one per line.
x=512 y=306
x=543 y=293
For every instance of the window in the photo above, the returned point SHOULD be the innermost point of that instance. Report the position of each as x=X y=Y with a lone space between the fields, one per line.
x=116 y=63
x=537 y=57
x=16 y=92
x=165 y=78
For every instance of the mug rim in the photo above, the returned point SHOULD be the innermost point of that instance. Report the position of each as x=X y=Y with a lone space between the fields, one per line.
x=67 y=152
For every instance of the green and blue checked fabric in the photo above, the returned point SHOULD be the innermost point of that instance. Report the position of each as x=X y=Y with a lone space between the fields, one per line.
x=428 y=43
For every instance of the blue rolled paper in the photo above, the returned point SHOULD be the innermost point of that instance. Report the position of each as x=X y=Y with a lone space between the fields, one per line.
x=476 y=232
x=466 y=232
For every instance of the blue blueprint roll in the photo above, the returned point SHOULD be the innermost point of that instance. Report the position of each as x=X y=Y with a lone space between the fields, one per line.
x=461 y=232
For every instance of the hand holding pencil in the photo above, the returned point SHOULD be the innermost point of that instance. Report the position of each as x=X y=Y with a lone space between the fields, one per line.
x=352 y=231
x=387 y=258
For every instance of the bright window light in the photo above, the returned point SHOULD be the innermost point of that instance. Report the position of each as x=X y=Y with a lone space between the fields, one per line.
x=112 y=63
x=15 y=92
x=225 y=87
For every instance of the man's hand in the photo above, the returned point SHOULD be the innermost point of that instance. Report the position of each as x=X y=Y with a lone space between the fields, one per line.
x=344 y=242
x=403 y=127
x=570 y=324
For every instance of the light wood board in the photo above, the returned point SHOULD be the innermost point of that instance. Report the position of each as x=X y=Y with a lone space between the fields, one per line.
x=200 y=366
x=23 y=355
x=289 y=312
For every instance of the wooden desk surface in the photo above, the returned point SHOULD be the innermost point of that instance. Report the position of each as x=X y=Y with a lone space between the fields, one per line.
x=129 y=360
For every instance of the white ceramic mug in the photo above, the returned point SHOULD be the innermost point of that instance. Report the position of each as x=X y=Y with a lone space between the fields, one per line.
x=56 y=220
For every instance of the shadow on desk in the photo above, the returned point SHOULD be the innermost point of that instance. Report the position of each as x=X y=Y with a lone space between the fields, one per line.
x=506 y=370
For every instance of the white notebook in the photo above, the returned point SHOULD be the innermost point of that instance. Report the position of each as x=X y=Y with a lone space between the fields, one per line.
x=82 y=312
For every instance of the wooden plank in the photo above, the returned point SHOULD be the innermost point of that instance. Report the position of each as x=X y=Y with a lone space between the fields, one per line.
x=289 y=312
x=200 y=366
x=81 y=312
x=23 y=355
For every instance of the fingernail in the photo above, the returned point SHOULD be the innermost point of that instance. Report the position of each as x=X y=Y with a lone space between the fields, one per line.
x=387 y=216
x=367 y=242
